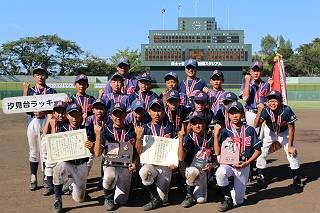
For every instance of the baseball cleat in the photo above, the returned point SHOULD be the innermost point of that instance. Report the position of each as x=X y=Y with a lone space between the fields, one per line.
x=47 y=191
x=58 y=206
x=226 y=205
x=188 y=201
x=153 y=204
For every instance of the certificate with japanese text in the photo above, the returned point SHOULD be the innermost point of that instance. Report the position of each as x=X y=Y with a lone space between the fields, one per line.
x=159 y=151
x=32 y=103
x=66 y=146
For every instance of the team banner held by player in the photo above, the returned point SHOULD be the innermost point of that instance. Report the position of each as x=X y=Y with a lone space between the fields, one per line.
x=66 y=146
x=33 y=103
x=279 y=78
x=159 y=151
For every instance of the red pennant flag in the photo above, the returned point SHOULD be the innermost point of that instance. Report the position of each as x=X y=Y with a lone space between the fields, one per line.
x=279 y=78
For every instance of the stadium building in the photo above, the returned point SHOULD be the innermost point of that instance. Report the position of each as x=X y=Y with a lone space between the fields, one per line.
x=201 y=39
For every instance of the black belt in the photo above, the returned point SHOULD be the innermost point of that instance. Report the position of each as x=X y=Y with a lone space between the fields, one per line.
x=78 y=161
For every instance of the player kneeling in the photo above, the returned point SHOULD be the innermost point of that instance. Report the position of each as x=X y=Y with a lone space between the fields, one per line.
x=239 y=142
x=116 y=178
x=280 y=127
x=78 y=168
x=195 y=149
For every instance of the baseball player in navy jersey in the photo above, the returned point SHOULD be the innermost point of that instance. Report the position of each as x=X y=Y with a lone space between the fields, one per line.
x=138 y=115
x=194 y=147
x=216 y=93
x=222 y=114
x=246 y=139
x=116 y=180
x=253 y=91
x=175 y=113
x=145 y=94
x=192 y=83
x=130 y=82
x=78 y=168
x=98 y=118
x=84 y=100
x=172 y=82
x=280 y=126
x=57 y=119
x=116 y=84
x=201 y=104
x=156 y=179
x=36 y=121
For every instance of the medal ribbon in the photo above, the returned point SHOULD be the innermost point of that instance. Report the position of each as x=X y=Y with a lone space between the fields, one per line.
x=154 y=131
x=276 y=125
x=237 y=139
x=38 y=92
x=258 y=93
x=146 y=101
x=116 y=136
x=189 y=90
x=95 y=122
x=113 y=98
x=84 y=105
x=217 y=99
x=204 y=144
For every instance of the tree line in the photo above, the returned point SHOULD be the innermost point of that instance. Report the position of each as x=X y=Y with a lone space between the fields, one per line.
x=59 y=56
x=65 y=57
x=303 y=61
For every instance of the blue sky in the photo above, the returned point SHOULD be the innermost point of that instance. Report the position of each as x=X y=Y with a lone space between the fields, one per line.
x=104 y=26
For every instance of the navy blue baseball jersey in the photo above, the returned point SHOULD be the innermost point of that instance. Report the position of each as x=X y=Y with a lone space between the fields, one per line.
x=215 y=99
x=145 y=97
x=67 y=127
x=245 y=136
x=257 y=94
x=90 y=122
x=278 y=123
x=130 y=86
x=111 y=98
x=222 y=115
x=38 y=91
x=118 y=135
x=189 y=87
x=193 y=143
x=85 y=102
x=163 y=130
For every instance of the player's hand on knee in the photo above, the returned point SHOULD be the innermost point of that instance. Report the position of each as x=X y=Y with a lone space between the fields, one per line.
x=132 y=167
x=208 y=167
x=292 y=151
x=241 y=165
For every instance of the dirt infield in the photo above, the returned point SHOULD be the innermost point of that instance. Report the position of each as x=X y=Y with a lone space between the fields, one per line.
x=278 y=197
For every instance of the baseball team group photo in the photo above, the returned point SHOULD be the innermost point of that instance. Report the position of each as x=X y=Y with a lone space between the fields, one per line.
x=196 y=119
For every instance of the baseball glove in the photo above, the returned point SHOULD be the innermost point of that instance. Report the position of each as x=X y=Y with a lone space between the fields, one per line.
x=275 y=146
